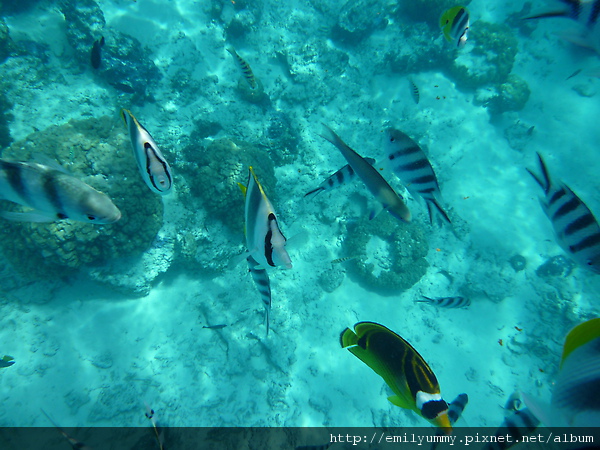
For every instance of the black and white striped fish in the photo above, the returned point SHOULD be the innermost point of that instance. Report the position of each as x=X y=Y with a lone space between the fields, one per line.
x=263 y=284
x=455 y=410
x=244 y=67
x=577 y=230
x=410 y=164
x=153 y=166
x=446 y=302
x=339 y=178
x=414 y=91
x=53 y=194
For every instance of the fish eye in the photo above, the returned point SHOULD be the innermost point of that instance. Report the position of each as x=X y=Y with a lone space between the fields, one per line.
x=90 y=217
x=392 y=139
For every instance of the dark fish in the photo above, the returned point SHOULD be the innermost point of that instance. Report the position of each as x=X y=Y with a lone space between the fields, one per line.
x=339 y=178
x=6 y=361
x=96 y=56
x=576 y=228
x=214 y=327
x=447 y=302
x=263 y=284
x=414 y=91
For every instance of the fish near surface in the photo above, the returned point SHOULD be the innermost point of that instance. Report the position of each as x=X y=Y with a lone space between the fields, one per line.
x=402 y=368
x=383 y=192
x=454 y=23
x=153 y=166
x=577 y=230
x=410 y=164
x=53 y=194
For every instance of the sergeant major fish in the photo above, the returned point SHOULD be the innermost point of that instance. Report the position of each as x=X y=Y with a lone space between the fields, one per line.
x=53 y=194
x=446 y=302
x=339 y=178
x=376 y=184
x=153 y=166
x=576 y=228
x=402 y=368
x=244 y=67
x=454 y=23
x=410 y=164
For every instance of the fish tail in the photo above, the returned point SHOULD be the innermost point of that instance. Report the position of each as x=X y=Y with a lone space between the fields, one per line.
x=348 y=338
x=427 y=300
x=314 y=191
x=268 y=317
x=544 y=183
x=431 y=203
x=329 y=135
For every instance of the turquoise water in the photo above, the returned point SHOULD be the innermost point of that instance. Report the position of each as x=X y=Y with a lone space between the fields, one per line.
x=103 y=318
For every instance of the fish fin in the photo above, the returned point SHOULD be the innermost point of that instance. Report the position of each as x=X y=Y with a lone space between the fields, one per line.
x=331 y=136
x=545 y=182
x=315 y=192
x=32 y=216
x=577 y=37
x=348 y=338
x=427 y=300
x=579 y=336
x=233 y=262
x=244 y=189
x=7 y=358
x=430 y=208
x=399 y=401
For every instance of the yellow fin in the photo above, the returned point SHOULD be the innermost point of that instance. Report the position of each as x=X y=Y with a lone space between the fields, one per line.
x=580 y=335
x=243 y=188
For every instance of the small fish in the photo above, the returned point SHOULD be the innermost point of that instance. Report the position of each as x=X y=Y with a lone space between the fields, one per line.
x=75 y=444
x=53 y=194
x=6 y=361
x=263 y=284
x=446 y=302
x=577 y=230
x=402 y=368
x=244 y=67
x=215 y=327
x=414 y=91
x=454 y=23
x=410 y=164
x=577 y=72
x=153 y=166
x=344 y=259
x=339 y=178
x=96 y=55
x=383 y=192
x=264 y=239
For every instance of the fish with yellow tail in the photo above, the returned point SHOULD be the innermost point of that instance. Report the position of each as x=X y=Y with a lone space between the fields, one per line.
x=383 y=192
x=454 y=23
x=402 y=368
x=153 y=166
x=575 y=400
x=52 y=194
x=244 y=68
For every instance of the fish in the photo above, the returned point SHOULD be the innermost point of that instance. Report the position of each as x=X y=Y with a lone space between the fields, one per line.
x=215 y=327
x=577 y=230
x=409 y=162
x=96 y=54
x=520 y=423
x=75 y=444
x=6 y=361
x=265 y=241
x=446 y=302
x=344 y=259
x=339 y=178
x=244 y=67
x=575 y=400
x=455 y=410
x=383 y=192
x=153 y=166
x=53 y=194
x=454 y=23
x=577 y=72
x=402 y=368
x=263 y=284
x=414 y=91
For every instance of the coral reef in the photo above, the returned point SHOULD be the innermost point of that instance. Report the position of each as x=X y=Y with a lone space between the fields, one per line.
x=283 y=138
x=395 y=254
x=98 y=152
x=357 y=20
x=511 y=95
x=518 y=263
x=557 y=266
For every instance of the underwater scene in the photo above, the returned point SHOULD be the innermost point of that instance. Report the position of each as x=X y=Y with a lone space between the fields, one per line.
x=304 y=213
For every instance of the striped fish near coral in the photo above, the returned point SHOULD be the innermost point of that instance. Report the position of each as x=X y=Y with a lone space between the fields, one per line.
x=244 y=68
x=454 y=23
x=339 y=178
x=53 y=194
x=153 y=166
x=446 y=302
x=577 y=230
x=410 y=164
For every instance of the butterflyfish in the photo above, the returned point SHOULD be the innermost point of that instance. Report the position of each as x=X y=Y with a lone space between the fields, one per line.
x=455 y=25
x=409 y=162
x=407 y=374
x=53 y=194
x=577 y=230
x=264 y=239
x=153 y=166
x=383 y=192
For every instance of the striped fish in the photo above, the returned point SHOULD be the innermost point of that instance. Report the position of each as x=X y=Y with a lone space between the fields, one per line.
x=410 y=164
x=244 y=67
x=414 y=91
x=53 y=194
x=341 y=177
x=446 y=302
x=261 y=279
x=521 y=423
x=455 y=25
x=455 y=410
x=576 y=228
x=153 y=166
x=380 y=188
x=343 y=259
x=265 y=241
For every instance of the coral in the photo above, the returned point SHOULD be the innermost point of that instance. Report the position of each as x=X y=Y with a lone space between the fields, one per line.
x=395 y=254
x=282 y=138
x=98 y=152
x=214 y=176
x=555 y=267
x=518 y=263
x=331 y=278
x=490 y=61
x=357 y=20
x=511 y=95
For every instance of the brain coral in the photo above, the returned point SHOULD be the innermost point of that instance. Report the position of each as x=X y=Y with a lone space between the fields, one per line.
x=97 y=152
x=390 y=255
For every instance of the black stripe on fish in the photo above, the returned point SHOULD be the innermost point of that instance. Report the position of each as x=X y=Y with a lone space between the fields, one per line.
x=566 y=208
x=404 y=151
x=586 y=243
x=49 y=185
x=148 y=148
x=415 y=165
x=268 y=245
x=424 y=179
x=427 y=191
x=580 y=223
x=557 y=195
x=340 y=176
x=14 y=176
